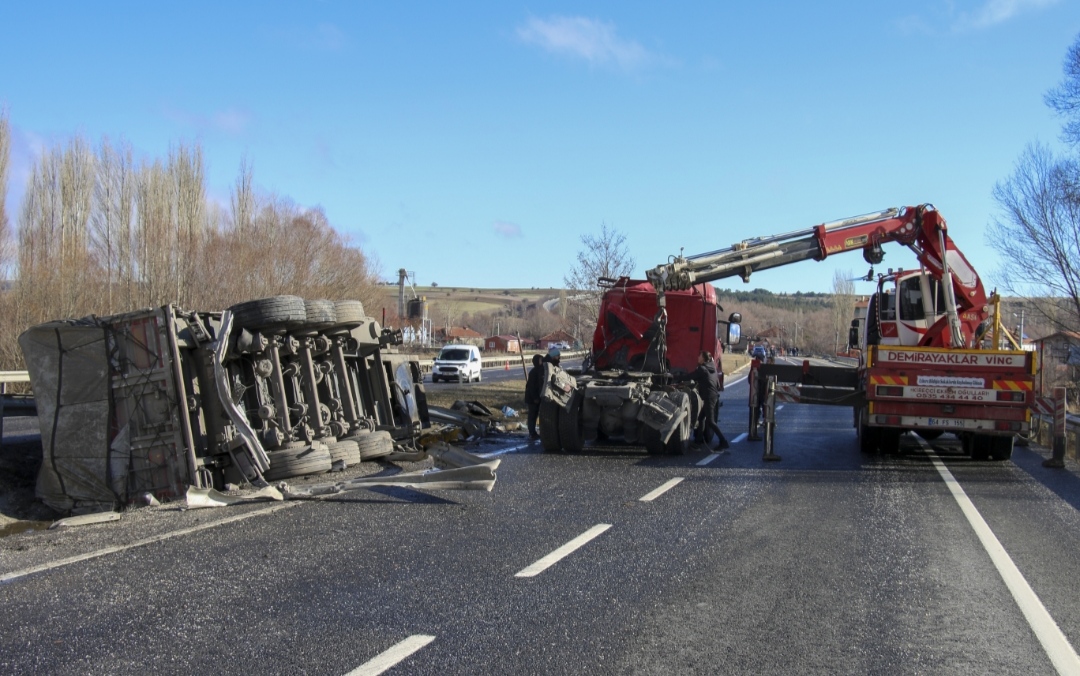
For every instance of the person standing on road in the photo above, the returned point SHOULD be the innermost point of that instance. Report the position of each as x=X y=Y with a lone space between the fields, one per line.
x=553 y=356
x=533 y=385
x=708 y=388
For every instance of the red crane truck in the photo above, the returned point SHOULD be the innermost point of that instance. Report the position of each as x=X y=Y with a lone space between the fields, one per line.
x=929 y=360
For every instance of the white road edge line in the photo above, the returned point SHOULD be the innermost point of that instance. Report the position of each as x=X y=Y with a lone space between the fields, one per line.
x=7 y=577
x=707 y=459
x=781 y=406
x=1053 y=641
x=664 y=488
x=739 y=438
x=562 y=552
x=392 y=657
x=734 y=382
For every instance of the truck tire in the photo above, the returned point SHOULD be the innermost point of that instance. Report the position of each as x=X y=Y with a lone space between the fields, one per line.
x=549 y=426
x=571 y=430
x=373 y=444
x=269 y=313
x=1001 y=448
x=319 y=314
x=978 y=446
x=653 y=443
x=889 y=440
x=298 y=461
x=345 y=450
x=349 y=312
x=869 y=437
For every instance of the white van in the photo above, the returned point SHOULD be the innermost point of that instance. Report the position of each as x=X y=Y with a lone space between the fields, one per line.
x=457 y=362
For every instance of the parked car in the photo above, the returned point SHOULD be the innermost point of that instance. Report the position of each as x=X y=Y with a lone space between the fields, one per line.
x=759 y=353
x=457 y=362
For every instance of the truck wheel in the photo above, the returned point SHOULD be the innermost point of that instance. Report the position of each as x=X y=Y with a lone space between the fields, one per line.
x=298 y=461
x=373 y=444
x=319 y=314
x=349 y=312
x=269 y=313
x=889 y=440
x=346 y=451
x=571 y=430
x=978 y=445
x=651 y=437
x=869 y=437
x=549 y=426
x=1001 y=448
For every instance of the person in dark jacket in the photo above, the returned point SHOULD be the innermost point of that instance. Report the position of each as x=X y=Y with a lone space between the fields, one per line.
x=708 y=388
x=533 y=385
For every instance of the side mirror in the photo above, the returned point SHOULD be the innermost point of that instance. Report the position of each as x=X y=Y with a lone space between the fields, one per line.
x=734 y=333
x=854 y=323
x=853 y=337
x=735 y=318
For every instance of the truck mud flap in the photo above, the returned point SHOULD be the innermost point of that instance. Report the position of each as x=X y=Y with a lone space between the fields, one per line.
x=663 y=412
x=559 y=386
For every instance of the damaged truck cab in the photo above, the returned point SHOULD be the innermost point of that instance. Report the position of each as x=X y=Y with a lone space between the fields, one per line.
x=629 y=385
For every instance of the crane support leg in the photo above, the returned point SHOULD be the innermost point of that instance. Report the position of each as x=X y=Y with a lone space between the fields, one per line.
x=770 y=421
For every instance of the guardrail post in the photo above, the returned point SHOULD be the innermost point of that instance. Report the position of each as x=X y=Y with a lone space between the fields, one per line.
x=1057 y=460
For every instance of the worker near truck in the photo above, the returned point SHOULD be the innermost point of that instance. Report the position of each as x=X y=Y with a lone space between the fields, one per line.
x=533 y=385
x=708 y=388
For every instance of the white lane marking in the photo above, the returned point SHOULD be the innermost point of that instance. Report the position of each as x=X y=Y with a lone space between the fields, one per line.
x=734 y=382
x=707 y=459
x=7 y=577
x=780 y=407
x=664 y=488
x=1053 y=641
x=502 y=452
x=391 y=657
x=562 y=552
x=739 y=438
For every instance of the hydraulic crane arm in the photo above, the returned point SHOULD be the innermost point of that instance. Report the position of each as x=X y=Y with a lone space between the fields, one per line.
x=920 y=228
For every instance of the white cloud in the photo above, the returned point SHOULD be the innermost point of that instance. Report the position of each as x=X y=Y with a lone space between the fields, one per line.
x=592 y=40
x=507 y=230
x=994 y=12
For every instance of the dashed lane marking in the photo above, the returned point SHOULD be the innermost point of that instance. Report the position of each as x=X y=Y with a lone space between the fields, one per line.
x=739 y=438
x=562 y=552
x=392 y=657
x=663 y=488
x=707 y=459
x=1053 y=641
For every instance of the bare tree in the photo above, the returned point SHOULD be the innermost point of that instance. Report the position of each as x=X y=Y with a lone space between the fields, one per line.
x=601 y=257
x=111 y=220
x=1065 y=98
x=1039 y=235
x=843 y=289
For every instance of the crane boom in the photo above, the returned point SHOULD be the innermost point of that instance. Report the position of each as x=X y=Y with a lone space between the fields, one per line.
x=920 y=228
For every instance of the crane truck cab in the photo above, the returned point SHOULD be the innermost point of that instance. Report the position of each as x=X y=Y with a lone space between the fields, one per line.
x=627 y=385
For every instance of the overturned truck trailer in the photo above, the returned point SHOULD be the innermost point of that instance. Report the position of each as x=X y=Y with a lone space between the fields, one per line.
x=156 y=400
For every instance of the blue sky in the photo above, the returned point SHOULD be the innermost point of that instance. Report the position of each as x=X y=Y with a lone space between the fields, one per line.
x=475 y=142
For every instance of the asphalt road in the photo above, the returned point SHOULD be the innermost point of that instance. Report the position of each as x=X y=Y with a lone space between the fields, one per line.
x=829 y=561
